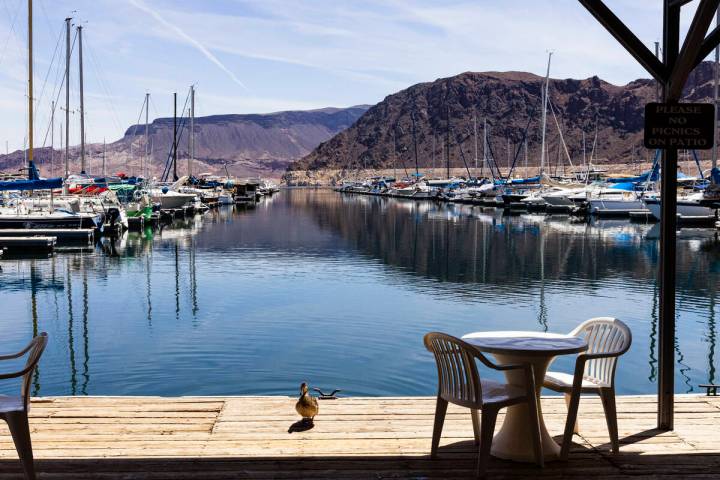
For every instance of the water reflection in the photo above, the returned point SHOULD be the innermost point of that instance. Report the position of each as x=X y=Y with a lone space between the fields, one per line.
x=338 y=290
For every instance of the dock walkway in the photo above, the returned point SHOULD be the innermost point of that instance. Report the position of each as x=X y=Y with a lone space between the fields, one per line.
x=206 y=438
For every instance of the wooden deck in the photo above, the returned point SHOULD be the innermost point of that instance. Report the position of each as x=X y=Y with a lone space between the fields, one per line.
x=112 y=438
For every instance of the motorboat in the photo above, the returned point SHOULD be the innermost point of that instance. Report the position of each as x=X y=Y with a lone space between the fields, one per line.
x=690 y=208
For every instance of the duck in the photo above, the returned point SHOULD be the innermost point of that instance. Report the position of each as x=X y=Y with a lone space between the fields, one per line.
x=307 y=405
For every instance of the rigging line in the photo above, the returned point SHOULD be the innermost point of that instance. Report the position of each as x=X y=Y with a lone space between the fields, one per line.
x=38 y=100
x=12 y=28
x=59 y=91
x=142 y=109
x=523 y=140
x=562 y=139
x=137 y=124
x=155 y=110
x=46 y=16
x=97 y=68
x=495 y=173
x=462 y=155
x=176 y=142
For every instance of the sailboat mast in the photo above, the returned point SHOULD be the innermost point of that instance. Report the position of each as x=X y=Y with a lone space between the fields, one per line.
x=395 y=154
x=30 y=83
x=67 y=98
x=192 y=130
x=417 y=171
x=447 y=140
x=147 y=108
x=175 y=176
x=103 y=158
x=52 y=138
x=433 y=153
x=82 y=102
x=715 y=94
x=475 y=139
x=485 y=145
x=507 y=140
x=544 y=114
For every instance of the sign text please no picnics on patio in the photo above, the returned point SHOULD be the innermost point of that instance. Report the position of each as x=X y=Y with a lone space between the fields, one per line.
x=679 y=125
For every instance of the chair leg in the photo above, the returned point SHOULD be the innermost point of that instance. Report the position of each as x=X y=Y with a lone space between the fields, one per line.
x=487 y=430
x=476 y=425
x=533 y=410
x=440 y=410
x=607 y=396
x=20 y=431
x=576 y=428
x=569 y=425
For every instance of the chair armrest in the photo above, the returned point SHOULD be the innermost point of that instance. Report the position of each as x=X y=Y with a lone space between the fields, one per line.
x=502 y=368
x=23 y=372
x=16 y=355
x=592 y=356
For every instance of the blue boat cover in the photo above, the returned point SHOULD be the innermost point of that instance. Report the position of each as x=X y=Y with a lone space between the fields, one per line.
x=522 y=181
x=45 y=184
x=629 y=186
x=715 y=176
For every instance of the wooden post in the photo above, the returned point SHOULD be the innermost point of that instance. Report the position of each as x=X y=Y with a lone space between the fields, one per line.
x=672 y=74
x=668 y=226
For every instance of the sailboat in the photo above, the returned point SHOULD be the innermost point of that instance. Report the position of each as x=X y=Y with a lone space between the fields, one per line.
x=40 y=212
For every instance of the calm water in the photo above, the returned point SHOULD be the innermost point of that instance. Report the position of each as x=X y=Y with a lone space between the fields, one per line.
x=339 y=290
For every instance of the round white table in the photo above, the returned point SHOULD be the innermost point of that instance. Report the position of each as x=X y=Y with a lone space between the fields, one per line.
x=513 y=441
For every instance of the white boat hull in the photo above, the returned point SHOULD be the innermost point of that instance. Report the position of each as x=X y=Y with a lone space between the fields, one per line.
x=171 y=199
x=686 y=210
x=604 y=206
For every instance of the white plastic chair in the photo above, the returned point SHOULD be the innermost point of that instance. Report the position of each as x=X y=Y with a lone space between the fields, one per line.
x=460 y=383
x=14 y=409
x=607 y=339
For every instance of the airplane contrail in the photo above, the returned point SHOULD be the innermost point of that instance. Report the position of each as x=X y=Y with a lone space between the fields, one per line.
x=199 y=46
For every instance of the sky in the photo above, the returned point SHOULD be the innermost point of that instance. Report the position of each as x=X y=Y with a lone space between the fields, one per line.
x=271 y=55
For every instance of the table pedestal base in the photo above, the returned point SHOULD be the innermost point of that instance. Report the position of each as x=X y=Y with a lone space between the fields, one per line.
x=514 y=440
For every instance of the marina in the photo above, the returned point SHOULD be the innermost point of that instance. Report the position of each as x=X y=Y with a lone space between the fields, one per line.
x=459 y=274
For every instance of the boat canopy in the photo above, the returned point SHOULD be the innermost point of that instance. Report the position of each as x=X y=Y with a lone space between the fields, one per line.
x=629 y=186
x=44 y=184
x=522 y=181
x=122 y=186
x=715 y=175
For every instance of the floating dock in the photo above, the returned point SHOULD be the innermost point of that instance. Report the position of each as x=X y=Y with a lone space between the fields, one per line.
x=85 y=235
x=16 y=245
x=154 y=438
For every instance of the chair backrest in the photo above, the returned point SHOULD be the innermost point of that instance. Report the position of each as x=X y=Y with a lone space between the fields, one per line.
x=36 y=348
x=604 y=335
x=458 y=379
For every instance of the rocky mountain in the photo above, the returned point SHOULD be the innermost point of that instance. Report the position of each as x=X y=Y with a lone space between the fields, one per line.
x=253 y=144
x=442 y=112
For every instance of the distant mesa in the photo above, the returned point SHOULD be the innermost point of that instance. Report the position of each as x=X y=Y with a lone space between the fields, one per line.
x=250 y=144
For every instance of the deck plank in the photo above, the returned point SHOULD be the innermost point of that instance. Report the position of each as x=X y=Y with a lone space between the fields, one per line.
x=155 y=438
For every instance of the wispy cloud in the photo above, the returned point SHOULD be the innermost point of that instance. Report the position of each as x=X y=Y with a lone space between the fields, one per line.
x=187 y=38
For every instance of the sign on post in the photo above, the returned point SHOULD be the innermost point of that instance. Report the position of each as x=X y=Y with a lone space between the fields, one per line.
x=679 y=125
